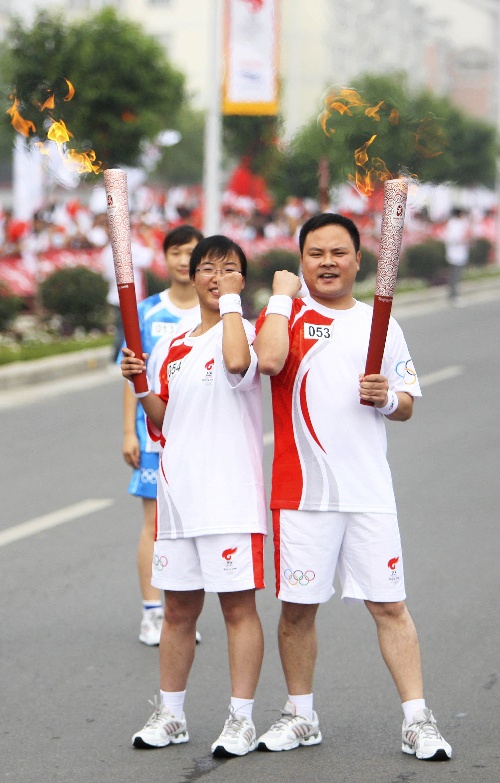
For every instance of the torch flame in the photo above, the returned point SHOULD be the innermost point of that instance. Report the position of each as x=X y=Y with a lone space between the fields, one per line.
x=366 y=178
x=49 y=103
x=429 y=138
x=394 y=117
x=19 y=123
x=346 y=110
x=360 y=155
x=58 y=132
x=342 y=108
x=373 y=111
x=80 y=162
x=71 y=90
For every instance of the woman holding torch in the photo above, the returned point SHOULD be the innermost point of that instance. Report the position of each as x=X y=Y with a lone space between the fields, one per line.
x=332 y=497
x=211 y=515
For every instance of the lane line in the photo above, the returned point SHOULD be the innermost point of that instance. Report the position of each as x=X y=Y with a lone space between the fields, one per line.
x=446 y=374
x=48 y=521
x=268 y=438
x=27 y=395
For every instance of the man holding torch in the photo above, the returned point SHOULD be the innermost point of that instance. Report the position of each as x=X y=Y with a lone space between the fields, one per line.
x=332 y=497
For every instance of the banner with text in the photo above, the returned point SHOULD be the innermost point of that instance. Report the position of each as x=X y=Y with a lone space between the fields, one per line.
x=251 y=54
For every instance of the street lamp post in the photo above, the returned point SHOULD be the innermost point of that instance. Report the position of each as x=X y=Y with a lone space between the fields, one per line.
x=213 y=127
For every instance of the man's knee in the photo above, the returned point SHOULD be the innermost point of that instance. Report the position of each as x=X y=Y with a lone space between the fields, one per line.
x=387 y=611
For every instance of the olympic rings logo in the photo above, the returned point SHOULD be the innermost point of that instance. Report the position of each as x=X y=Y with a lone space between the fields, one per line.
x=160 y=562
x=298 y=577
x=149 y=476
x=406 y=371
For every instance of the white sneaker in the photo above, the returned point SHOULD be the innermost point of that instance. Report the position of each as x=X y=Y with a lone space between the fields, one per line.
x=162 y=729
x=150 y=634
x=290 y=731
x=238 y=737
x=151 y=623
x=421 y=738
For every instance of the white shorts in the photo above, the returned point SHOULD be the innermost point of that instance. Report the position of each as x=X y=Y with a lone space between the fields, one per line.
x=222 y=563
x=309 y=546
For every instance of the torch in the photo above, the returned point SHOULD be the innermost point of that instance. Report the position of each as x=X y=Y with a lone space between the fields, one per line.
x=393 y=216
x=115 y=183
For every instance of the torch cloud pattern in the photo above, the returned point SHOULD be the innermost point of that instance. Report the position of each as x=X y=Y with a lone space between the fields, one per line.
x=115 y=183
x=393 y=216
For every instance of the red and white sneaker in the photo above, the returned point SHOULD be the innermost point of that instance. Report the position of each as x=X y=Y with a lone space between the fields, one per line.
x=162 y=729
x=422 y=738
x=238 y=737
x=290 y=731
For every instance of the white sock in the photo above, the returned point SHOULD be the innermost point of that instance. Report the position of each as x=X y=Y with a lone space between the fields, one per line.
x=148 y=605
x=174 y=700
x=303 y=705
x=411 y=707
x=242 y=707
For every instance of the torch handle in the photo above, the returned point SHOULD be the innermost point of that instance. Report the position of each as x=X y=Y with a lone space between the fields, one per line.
x=382 y=306
x=130 y=318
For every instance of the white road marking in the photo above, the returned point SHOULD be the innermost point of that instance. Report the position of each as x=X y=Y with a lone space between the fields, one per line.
x=27 y=395
x=446 y=374
x=47 y=521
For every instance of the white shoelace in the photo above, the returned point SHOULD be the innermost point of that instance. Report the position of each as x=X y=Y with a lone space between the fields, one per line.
x=156 y=718
x=286 y=718
x=427 y=728
x=233 y=725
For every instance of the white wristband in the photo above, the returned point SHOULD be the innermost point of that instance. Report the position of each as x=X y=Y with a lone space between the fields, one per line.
x=230 y=303
x=280 y=304
x=391 y=405
x=138 y=394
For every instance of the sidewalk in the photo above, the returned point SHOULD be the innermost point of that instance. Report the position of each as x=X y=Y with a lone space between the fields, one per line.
x=19 y=375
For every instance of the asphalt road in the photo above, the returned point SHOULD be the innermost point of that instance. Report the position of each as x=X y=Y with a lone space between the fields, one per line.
x=75 y=682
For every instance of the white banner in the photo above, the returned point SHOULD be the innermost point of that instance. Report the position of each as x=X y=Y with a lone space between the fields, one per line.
x=27 y=179
x=251 y=53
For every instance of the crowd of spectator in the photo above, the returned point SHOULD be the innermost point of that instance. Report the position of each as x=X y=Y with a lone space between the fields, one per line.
x=77 y=225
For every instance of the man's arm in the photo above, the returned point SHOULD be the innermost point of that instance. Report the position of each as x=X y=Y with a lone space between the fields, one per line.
x=272 y=342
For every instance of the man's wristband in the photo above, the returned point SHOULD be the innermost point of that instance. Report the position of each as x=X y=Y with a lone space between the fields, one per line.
x=280 y=304
x=230 y=303
x=391 y=405
x=138 y=394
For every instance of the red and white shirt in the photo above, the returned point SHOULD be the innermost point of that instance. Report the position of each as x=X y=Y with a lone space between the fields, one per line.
x=211 y=478
x=329 y=450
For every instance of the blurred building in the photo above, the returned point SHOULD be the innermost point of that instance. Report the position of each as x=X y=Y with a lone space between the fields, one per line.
x=323 y=43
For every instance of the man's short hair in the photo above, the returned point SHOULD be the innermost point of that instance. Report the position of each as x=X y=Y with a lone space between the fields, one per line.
x=181 y=236
x=216 y=248
x=329 y=219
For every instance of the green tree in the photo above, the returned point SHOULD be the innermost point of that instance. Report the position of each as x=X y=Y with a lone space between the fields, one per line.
x=125 y=88
x=254 y=137
x=182 y=164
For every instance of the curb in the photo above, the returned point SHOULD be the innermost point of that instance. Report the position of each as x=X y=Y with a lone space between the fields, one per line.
x=19 y=374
